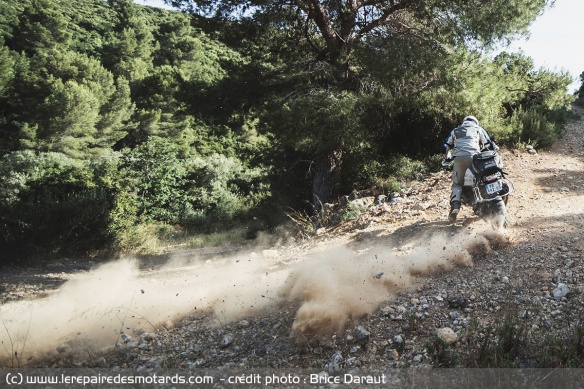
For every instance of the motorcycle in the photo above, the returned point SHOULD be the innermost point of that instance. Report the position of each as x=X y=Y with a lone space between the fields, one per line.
x=486 y=188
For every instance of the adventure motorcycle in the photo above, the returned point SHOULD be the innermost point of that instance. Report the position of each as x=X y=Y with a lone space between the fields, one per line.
x=486 y=189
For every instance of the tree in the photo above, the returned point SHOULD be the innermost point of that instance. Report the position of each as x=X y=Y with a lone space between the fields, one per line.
x=334 y=29
x=199 y=191
x=6 y=68
x=66 y=102
x=531 y=87
x=128 y=52
x=51 y=204
x=8 y=18
x=40 y=26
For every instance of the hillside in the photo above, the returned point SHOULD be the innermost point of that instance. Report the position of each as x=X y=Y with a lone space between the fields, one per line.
x=384 y=282
x=125 y=128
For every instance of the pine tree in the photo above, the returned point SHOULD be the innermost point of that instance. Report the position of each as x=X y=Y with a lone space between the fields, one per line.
x=130 y=45
x=41 y=26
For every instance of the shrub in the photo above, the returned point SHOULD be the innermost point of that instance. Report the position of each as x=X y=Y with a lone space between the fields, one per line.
x=51 y=204
x=537 y=127
x=193 y=192
x=367 y=170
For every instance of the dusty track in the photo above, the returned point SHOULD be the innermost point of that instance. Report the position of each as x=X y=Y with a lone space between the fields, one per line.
x=380 y=320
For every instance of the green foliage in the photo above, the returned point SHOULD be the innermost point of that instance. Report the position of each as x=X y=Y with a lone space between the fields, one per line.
x=350 y=212
x=155 y=176
x=88 y=22
x=194 y=192
x=65 y=102
x=318 y=121
x=41 y=26
x=537 y=105
x=8 y=18
x=6 y=69
x=198 y=58
x=580 y=92
x=513 y=342
x=362 y=171
x=467 y=83
x=159 y=89
x=531 y=88
x=563 y=351
x=128 y=48
x=53 y=205
x=441 y=353
x=66 y=206
x=538 y=128
x=367 y=169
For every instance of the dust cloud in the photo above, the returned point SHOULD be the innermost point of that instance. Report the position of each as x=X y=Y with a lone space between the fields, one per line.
x=93 y=309
x=339 y=285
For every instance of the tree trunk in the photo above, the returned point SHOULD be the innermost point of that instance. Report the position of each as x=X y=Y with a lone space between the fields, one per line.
x=326 y=177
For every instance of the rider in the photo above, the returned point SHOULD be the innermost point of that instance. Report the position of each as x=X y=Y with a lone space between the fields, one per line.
x=465 y=141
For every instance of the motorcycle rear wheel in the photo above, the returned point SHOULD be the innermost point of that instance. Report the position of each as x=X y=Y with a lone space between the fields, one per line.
x=499 y=214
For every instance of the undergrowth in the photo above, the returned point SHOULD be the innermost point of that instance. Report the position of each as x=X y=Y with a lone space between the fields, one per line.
x=513 y=342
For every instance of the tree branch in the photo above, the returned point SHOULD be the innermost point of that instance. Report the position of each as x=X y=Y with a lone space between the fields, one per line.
x=383 y=18
x=316 y=11
x=319 y=52
x=422 y=36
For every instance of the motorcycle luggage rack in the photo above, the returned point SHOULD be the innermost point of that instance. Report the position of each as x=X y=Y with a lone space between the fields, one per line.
x=510 y=186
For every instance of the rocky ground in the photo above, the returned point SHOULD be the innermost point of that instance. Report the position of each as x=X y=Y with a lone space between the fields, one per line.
x=529 y=276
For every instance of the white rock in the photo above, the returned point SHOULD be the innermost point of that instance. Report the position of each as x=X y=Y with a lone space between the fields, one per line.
x=447 y=335
x=398 y=339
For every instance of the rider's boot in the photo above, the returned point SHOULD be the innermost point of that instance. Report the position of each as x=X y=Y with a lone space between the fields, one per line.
x=454 y=209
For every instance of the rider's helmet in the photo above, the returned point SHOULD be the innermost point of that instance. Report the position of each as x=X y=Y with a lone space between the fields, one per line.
x=471 y=119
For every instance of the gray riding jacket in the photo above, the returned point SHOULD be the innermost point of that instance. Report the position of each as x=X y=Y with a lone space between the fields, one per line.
x=466 y=139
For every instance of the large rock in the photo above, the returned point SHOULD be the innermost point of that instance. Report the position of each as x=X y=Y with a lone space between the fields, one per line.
x=561 y=290
x=447 y=335
x=380 y=199
x=363 y=202
x=361 y=333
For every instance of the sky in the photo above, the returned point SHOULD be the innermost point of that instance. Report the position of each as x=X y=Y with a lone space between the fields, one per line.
x=555 y=41
x=153 y=3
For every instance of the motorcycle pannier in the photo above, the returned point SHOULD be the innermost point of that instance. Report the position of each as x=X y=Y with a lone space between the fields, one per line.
x=486 y=163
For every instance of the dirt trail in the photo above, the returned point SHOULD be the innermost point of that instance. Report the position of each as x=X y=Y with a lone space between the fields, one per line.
x=550 y=187
x=399 y=268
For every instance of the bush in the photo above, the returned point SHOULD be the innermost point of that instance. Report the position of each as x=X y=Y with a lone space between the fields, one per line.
x=539 y=128
x=367 y=170
x=193 y=192
x=53 y=205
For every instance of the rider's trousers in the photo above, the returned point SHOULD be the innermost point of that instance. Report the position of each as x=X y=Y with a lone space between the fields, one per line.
x=461 y=164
